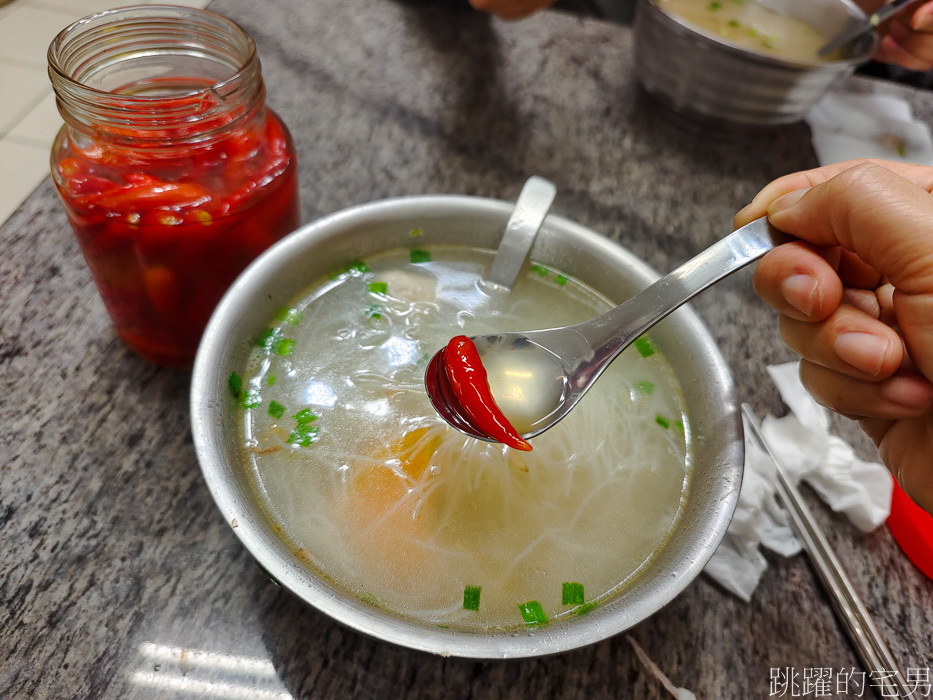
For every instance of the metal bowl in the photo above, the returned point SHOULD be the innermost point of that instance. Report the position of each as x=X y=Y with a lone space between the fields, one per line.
x=701 y=76
x=308 y=255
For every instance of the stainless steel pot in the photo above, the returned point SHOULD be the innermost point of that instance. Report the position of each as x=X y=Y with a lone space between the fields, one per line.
x=701 y=76
x=315 y=249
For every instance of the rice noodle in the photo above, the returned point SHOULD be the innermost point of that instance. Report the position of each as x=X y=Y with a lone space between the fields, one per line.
x=394 y=505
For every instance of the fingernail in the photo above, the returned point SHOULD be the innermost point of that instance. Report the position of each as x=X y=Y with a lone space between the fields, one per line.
x=863 y=351
x=800 y=292
x=922 y=22
x=786 y=201
x=910 y=392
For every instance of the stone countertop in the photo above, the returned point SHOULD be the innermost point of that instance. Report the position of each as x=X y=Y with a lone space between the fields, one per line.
x=119 y=578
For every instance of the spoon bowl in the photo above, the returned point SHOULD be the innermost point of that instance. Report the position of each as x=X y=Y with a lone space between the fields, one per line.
x=537 y=377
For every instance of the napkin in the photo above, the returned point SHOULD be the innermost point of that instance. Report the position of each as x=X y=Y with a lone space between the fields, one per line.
x=847 y=125
x=810 y=452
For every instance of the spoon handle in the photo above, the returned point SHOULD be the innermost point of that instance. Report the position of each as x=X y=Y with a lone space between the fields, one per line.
x=531 y=207
x=646 y=308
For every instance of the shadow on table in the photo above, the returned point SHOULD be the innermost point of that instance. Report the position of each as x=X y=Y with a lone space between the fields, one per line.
x=315 y=656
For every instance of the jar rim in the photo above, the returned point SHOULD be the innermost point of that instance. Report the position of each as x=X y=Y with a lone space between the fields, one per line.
x=87 y=49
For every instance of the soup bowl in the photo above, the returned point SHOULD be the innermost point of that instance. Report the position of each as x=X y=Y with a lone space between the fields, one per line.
x=312 y=251
x=706 y=79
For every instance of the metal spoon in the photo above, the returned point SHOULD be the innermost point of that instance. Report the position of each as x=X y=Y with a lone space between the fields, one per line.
x=862 y=26
x=548 y=371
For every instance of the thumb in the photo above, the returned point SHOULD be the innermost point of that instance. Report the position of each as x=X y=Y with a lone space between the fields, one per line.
x=922 y=19
x=887 y=221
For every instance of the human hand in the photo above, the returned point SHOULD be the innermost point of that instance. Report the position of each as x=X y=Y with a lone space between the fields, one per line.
x=907 y=38
x=511 y=9
x=855 y=296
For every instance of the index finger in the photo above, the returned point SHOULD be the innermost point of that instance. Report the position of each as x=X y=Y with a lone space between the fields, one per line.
x=920 y=175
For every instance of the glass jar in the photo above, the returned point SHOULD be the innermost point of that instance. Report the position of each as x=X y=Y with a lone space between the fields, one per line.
x=173 y=172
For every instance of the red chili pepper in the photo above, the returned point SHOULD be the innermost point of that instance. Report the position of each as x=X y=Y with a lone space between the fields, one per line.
x=134 y=196
x=471 y=387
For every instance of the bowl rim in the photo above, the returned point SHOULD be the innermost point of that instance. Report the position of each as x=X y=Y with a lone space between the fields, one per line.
x=722 y=44
x=279 y=562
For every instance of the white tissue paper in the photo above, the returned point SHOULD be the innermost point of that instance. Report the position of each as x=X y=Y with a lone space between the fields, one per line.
x=801 y=439
x=846 y=126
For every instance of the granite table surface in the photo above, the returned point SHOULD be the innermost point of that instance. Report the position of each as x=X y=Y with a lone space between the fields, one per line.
x=118 y=576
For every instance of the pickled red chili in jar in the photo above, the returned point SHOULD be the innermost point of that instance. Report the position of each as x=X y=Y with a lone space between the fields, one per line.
x=173 y=172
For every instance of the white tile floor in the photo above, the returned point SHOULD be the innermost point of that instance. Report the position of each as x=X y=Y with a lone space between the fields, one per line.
x=29 y=119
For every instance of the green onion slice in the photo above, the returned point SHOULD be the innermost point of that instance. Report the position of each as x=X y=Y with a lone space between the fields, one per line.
x=252 y=399
x=236 y=384
x=268 y=339
x=572 y=594
x=644 y=346
x=532 y=613
x=303 y=435
x=290 y=316
x=304 y=416
x=284 y=347
x=355 y=267
x=471 y=597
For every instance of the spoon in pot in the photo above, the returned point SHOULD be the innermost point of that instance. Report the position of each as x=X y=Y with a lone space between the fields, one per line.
x=537 y=377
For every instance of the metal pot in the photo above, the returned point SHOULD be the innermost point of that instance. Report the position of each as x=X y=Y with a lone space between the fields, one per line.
x=701 y=76
x=309 y=254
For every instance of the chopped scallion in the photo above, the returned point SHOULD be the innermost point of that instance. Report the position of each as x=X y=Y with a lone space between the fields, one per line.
x=356 y=267
x=290 y=316
x=378 y=287
x=236 y=384
x=269 y=338
x=303 y=435
x=680 y=426
x=662 y=421
x=586 y=607
x=644 y=387
x=276 y=410
x=304 y=416
x=713 y=6
x=571 y=593
x=252 y=399
x=644 y=346
x=271 y=380
x=284 y=347
x=370 y=599
x=420 y=256
x=532 y=613
x=734 y=23
x=415 y=232
x=471 y=597
x=539 y=270
x=560 y=280
x=373 y=311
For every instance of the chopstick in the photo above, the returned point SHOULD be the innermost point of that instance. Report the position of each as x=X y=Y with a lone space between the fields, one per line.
x=850 y=609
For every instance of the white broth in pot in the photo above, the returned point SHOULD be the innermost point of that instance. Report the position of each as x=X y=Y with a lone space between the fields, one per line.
x=374 y=491
x=752 y=25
